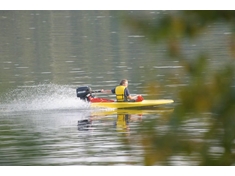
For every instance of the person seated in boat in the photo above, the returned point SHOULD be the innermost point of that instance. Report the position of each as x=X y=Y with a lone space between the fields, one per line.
x=122 y=92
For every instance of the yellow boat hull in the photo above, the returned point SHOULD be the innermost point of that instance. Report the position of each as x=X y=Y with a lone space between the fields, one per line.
x=119 y=105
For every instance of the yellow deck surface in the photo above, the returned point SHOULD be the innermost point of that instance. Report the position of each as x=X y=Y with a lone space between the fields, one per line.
x=132 y=104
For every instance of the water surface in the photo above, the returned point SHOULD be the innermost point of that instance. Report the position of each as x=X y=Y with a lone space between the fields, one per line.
x=46 y=55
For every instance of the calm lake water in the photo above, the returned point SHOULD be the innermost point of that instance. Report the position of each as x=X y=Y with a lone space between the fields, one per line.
x=46 y=55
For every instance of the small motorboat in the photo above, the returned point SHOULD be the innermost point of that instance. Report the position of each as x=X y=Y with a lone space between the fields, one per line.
x=86 y=94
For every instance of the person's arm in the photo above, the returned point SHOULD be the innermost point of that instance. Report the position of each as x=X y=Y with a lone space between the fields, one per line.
x=106 y=91
x=129 y=96
x=132 y=97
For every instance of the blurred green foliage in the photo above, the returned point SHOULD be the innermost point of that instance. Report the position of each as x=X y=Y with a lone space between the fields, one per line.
x=211 y=94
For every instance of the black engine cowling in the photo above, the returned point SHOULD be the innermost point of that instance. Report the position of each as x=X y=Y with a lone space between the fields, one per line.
x=84 y=92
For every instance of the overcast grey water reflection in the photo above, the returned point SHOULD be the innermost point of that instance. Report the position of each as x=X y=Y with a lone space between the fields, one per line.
x=46 y=55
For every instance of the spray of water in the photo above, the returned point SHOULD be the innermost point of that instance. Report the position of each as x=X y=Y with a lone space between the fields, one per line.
x=41 y=97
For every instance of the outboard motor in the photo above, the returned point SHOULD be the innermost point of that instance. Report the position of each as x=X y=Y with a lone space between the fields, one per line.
x=84 y=93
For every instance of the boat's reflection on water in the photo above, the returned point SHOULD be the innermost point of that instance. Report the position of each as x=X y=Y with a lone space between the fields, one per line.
x=119 y=118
